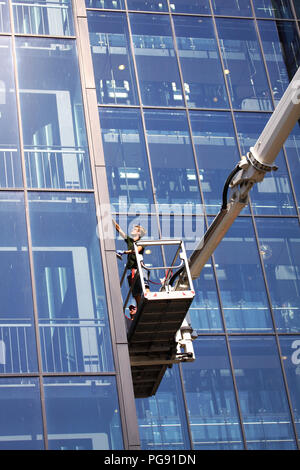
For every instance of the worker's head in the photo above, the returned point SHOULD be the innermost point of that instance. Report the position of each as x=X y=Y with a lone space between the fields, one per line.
x=138 y=232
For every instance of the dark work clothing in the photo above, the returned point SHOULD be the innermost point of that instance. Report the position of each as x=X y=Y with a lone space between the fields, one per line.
x=131 y=258
x=132 y=267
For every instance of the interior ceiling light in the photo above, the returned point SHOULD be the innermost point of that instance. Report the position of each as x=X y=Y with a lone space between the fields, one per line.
x=122 y=67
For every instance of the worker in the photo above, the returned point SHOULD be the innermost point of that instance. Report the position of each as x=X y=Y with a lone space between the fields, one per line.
x=136 y=234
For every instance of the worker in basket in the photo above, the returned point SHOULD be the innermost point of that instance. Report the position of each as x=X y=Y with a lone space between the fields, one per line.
x=136 y=234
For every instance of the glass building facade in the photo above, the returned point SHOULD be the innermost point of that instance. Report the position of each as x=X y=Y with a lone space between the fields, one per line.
x=140 y=109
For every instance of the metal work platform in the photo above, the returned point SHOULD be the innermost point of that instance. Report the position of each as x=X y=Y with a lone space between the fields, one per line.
x=159 y=335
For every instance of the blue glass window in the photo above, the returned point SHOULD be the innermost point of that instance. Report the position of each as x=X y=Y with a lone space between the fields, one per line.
x=71 y=298
x=280 y=249
x=280 y=40
x=240 y=279
x=273 y=195
x=17 y=336
x=10 y=165
x=82 y=413
x=55 y=142
x=210 y=397
x=263 y=401
x=200 y=62
x=4 y=17
x=297 y=7
x=109 y=4
x=243 y=65
x=290 y=349
x=21 y=418
x=114 y=75
x=172 y=160
x=217 y=154
x=155 y=59
x=161 y=418
x=292 y=146
x=192 y=6
x=43 y=17
x=232 y=7
x=148 y=5
x=126 y=160
x=273 y=8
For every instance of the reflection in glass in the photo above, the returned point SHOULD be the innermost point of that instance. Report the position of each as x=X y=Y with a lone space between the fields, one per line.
x=263 y=401
x=43 y=17
x=200 y=62
x=10 y=165
x=192 y=6
x=20 y=418
x=232 y=7
x=155 y=59
x=161 y=418
x=4 y=17
x=172 y=160
x=244 y=67
x=17 y=335
x=292 y=146
x=280 y=248
x=273 y=195
x=71 y=299
x=273 y=8
x=290 y=349
x=281 y=46
x=126 y=160
x=240 y=279
x=217 y=153
x=114 y=76
x=55 y=142
x=82 y=413
x=110 y=4
x=210 y=397
x=153 y=5
x=297 y=7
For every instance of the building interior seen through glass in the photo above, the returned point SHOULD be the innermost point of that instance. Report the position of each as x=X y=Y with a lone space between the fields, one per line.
x=182 y=90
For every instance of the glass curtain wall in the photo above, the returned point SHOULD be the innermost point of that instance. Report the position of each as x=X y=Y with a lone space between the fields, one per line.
x=56 y=360
x=184 y=90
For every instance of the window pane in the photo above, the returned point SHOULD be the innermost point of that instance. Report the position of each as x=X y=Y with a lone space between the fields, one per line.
x=4 y=17
x=69 y=281
x=280 y=40
x=290 y=348
x=43 y=17
x=273 y=8
x=292 y=146
x=232 y=7
x=200 y=63
x=110 y=4
x=192 y=6
x=17 y=335
x=82 y=413
x=297 y=7
x=263 y=401
x=280 y=249
x=244 y=68
x=273 y=195
x=114 y=75
x=20 y=417
x=153 y=5
x=162 y=418
x=172 y=160
x=55 y=142
x=210 y=397
x=240 y=279
x=10 y=165
x=126 y=160
x=155 y=58
x=217 y=154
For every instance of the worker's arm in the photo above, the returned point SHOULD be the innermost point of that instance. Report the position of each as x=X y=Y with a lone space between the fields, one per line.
x=128 y=252
x=118 y=228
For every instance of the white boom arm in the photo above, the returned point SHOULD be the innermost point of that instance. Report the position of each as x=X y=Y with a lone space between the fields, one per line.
x=250 y=170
